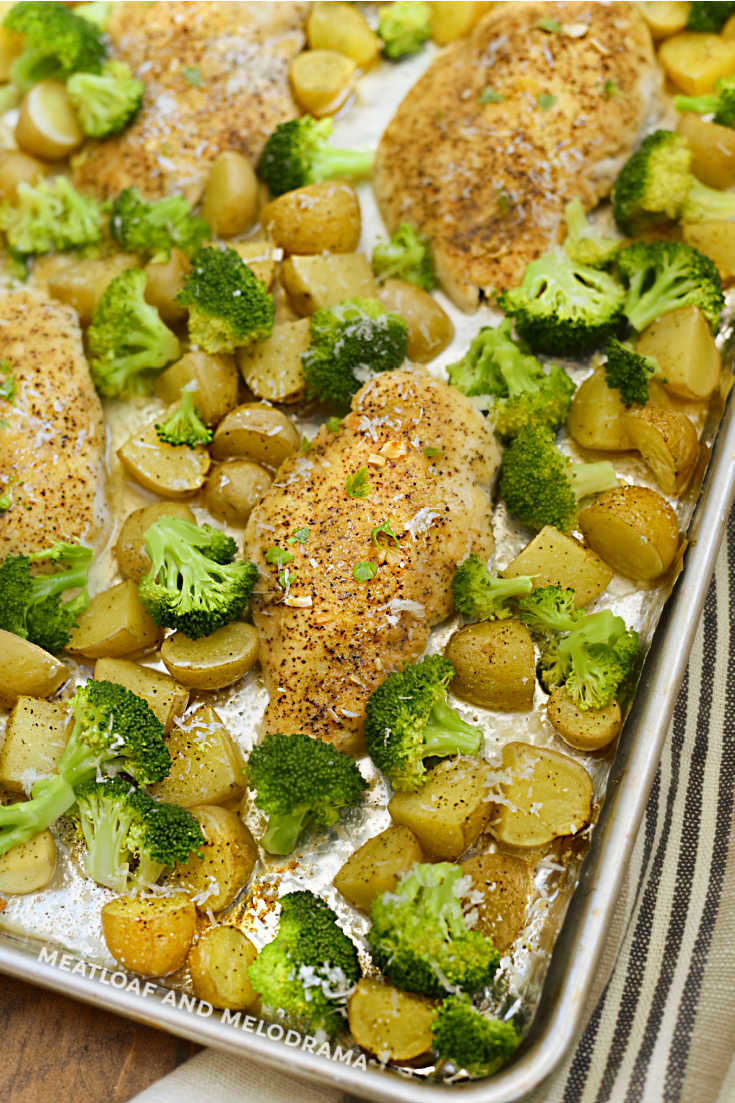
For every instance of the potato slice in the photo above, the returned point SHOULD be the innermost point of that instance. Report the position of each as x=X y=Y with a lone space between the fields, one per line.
x=682 y=344
x=667 y=442
x=453 y=19
x=554 y=558
x=166 y=469
x=494 y=665
x=695 y=61
x=261 y=257
x=28 y=867
x=258 y=432
x=665 y=19
x=451 y=809
x=214 y=661
x=27 y=670
x=166 y=698
x=149 y=934
x=230 y=201
x=219 y=961
x=548 y=794
x=377 y=866
x=634 y=529
x=47 y=123
x=132 y=558
x=212 y=381
x=273 y=368
x=228 y=859
x=716 y=239
x=712 y=147
x=165 y=278
x=394 y=1025
x=114 y=624
x=18 y=168
x=206 y=766
x=583 y=729
x=234 y=489
x=506 y=883
x=35 y=737
x=313 y=282
x=430 y=329
x=82 y=283
x=314 y=219
x=341 y=27
x=321 y=80
x=595 y=415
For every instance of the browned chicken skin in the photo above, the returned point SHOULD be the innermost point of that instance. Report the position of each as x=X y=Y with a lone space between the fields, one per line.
x=329 y=640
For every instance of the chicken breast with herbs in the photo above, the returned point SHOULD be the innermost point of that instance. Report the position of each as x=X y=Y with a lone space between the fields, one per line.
x=216 y=77
x=376 y=517
x=52 y=436
x=542 y=103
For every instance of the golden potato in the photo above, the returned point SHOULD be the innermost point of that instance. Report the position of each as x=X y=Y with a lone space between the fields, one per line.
x=682 y=345
x=314 y=219
x=555 y=558
x=214 y=661
x=667 y=442
x=233 y=490
x=451 y=809
x=377 y=866
x=206 y=765
x=82 y=282
x=494 y=665
x=228 y=859
x=595 y=415
x=665 y=19
x=451 y=19
x=584 y=729
x=273 y=368
x=505 y=883
x=29 y=866
x=341 y=27
x=230 y=200
x=170 y=470
x=716 y=239
x=430 y=329
x=634 y=529
x=166 y=698
x=257 y=432
x=165 y=278
x=130 y=553
x=321 y=80
x=47 y=124
x=35 y=736
x=261 y=257
x=11 y=47
x=18 y=168
x=548 y=794
x=149 y=934
x=314 y=282
x=114 y=624
x=212 y=381
x=219 y=961
x=712 y=147
x=696 y=61
x=394 y=1025
x=27 y=670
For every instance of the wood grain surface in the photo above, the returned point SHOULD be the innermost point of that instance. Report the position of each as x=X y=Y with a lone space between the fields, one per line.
x=54 y=1048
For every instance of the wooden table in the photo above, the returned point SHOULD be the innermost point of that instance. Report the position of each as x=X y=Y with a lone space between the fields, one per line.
x=55 y=1048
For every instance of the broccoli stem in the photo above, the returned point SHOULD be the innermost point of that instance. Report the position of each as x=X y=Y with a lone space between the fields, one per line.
x=48 y=585
x=78 y=763
x=283 y=831
x=328 y=163
x=701 y=105
x=104 y=846
x=703 y=203
x=446 y=733
x=51 y=798
x=592 y=478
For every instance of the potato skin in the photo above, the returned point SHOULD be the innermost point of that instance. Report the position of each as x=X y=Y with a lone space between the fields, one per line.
x=273 y=369
x=394 y=1025
x=228 y=859
x=36 y=734
x=682 y=344
x=28 y=867
x=377 y=866
x=256 y=432
x=164 y=469
x=149 y=935
x=430 y=329
x=233 y=489
x=212 y=380
x=595 y=415
x=130 y=553
x=667 y=442
x=451 y=809
x=550 y=794
x=219 y=961
x=494 y=665
x=314 y=282
x=27 y=670
x=555 y=558
x=505 y=882
x=206 y=765
x=114 y=624
x=165 y=697
x=634 y=529
x=315 y=218
x=230 y=201
x=583 y=729
x=165 y=278
x=214 y=661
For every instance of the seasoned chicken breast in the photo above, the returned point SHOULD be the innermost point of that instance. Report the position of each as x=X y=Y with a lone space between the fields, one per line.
x=510 y=124
x=424 y=460
x=52 y=437
x=216 y=77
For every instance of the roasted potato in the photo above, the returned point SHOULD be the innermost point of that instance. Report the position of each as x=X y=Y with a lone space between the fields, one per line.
x=82 y=283
x=453 y=19
x=554 y=558
x=214 y=661
x=394 y=1025
x=341 y=27
x=114 y=624
x=494 y=665
x=233 y=489
x=165 y=278
x=665 y=19
x=165 y=697
x=377 y=866
x=273 y=368
x=321 y=80
x=595 y=415
x=212 y=381
x=430 y=329
x=682 y=344
x=314 y=282
x=228 y=859
x=547 y=794
x=47 y=124
x=18 y=168
x=695 y=61
x=132 y=558
x=261 y=257
x=505 y=883
x=35 y=736
x=173 y=471
x=257 y=432
x=712 y=147
x=230 y=200
x=667 y=442
x=716 y=239
x=27 y=670
x=314 y=219
x=583 y=729
x=11 y=47
x=451 y=809
x=219 y=961
x=206 y=765
x=29 y=866
x=634 y=529
x=149 y=934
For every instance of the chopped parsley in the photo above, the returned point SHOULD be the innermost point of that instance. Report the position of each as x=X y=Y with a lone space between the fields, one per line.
x=363 y=572
x=191 y=74
x=6 y=501
x=489 y=95
x=551 y=26
x=432 y=453
x=610 y=89
x=334 y=424
x=545 y=100
x=7 y=385
x=383 y=530
x=279 y=556
x=305 y=445
x=300 y=536
x=358 y=485
x=286 y=576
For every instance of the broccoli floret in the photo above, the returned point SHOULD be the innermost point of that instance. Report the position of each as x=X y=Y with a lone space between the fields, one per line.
x=470 y=1040
x=184 y=426
x=664 y=275
x=310 y=968
x=96 y=11
x=349 y=343
x=50 y=216
x=153 y=229
x=407 y=256
x=229 y=307
x=591 y=654
x=582 y=244
x=112 y=728
x=404 y=27
x=32 y=604
x=541 y=486
x=407 y=719
x=708 y=16
x=298 y=153
x=127 y=341
x=720 y=103
x=628 y=372
x=479 y=595
x=132 y=838
x=300 y=782
x=106 y=102
x=57 y=42
x=420 y=939
x=564 y=308
x=194 y=584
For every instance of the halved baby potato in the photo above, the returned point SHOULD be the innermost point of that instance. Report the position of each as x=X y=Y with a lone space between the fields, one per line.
x=165 y=278
x=505 y=883
x=712 y=147
x=273 y=368
x=494 y=665
x=316 y=218
x=634 y=529
x=83 y=280
x=230 y=201
x=321 y=80
x=394 y=1025
x=165 y=697
x=430 y=329
x=115 y=623
x=212 y=381
x=667 y=442
x=29 y=866
x=173 y=471
x=451 y=809
x=47 y=124
x=341 y=27
x=682 y=344
x=214 y=661
x=595 y=415
x=555 y=558
x=314 y=282
x=665 y=19
x=716 y=239
x=695 y=61
x=18 y=168
x=206 y=765
x=27 y=670
x=228 y=858
x=378 y=865
x=257 y=432
x=219 y=962
x=132 y=558
x=36 y=734
x=149 y=934
x=234 y=489
x=583 y=729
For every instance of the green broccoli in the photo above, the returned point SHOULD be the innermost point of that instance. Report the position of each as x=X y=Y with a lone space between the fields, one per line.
x=127 y=341
x=300 y=782
x=564 y=308
x=628 y=372
x=32 y=604
x=541 y=486
x=479 y=595
x=709 y=16
x=298 y=153
x=96 y=11
x=582 y=244
x=420 y=939
x=154 y=229
x=194 y=584
x=50 y=216
x=591 y=654
x=307 y=973
x=132 y=838
x=57 y=42
x=407 y=719
x=407 y=256
x=404 y=27
x=349 y=343
x=664 y=275
x=470 y=1040
x=184 y=426
x=112 y=728
x=720 y=103
x=524 y=395
x=106 y=102
x=229 y=307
